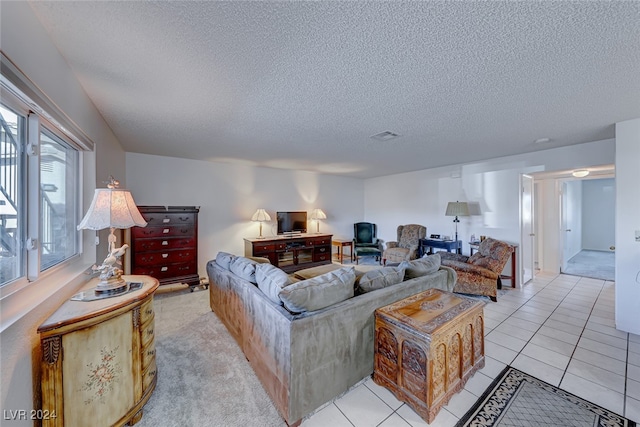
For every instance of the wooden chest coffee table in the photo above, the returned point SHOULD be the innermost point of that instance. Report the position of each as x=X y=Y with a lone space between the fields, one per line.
x=427 y=346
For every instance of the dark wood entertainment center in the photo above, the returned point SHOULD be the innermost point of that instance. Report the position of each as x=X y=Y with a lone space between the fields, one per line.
x=291 y=252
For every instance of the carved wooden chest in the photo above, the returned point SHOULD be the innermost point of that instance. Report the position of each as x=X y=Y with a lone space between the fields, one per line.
x=427 y=346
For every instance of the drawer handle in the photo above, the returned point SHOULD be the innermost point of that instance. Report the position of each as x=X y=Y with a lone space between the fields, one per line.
x=151 y=352
x=149 y=311
x=149 y=332
x=165 y=243
x=165 y=255
x=152 y=373
x=164 y=269
x=166 y=220
x=184 y=218
x=165 y=230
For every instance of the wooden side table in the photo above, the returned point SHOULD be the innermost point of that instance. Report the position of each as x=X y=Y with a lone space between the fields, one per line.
x=514 y=254
x=341 y=244
x=98 y=358
x=426 y=348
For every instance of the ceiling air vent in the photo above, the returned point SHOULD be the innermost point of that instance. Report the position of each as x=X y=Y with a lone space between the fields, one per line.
x=384 y=136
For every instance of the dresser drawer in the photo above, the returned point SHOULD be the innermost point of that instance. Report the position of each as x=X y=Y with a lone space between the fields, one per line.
x=164 y=257
x=321 y=256
x=148 y=354
x=159 y=219
x=149 y=375
x=160 y=244
x=146 y=312
x=147 y=333
x=318 y=241
x=166 y=270
x=168 y=231
x=260 y=248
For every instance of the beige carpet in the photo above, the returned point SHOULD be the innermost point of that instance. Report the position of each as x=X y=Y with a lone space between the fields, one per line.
x=203 y=377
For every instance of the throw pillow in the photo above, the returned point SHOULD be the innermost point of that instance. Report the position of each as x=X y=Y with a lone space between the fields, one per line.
x=319 y=292
x=244 y=268
x=271 y=280
x=422 y=266
x=380 y=278
x=224 y=259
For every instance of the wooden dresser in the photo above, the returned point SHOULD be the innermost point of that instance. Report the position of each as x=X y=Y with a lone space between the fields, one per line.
x=426 y=348
x=98 y=358
x=292 y=253
x=167 y=248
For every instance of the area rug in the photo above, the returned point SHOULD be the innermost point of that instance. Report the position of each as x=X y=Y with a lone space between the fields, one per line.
x=203 y=377
x=518 y=399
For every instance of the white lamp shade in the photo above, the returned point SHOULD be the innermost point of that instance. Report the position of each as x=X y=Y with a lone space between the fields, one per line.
x=317 y=214
x=112 y=208
x=457 y=209
x=261 y=215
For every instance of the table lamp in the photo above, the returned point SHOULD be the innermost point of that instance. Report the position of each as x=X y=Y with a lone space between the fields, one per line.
x=261 y=216
x=112 y=208
x=457 y=209
x=317 y=215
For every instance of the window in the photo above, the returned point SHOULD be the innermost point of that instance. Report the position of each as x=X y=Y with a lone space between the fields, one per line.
x=58 y=200
x=12 y=139
x=39 y=193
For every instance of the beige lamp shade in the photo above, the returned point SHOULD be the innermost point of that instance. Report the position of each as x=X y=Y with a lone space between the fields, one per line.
x=457 y=209
x=261 y=215
x=317 y=214
x=112 y=208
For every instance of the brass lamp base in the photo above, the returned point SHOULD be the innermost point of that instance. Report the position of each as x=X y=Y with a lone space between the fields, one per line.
x=113 y=284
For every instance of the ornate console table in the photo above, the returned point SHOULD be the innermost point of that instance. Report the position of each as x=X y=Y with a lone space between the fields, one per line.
x=98 y=358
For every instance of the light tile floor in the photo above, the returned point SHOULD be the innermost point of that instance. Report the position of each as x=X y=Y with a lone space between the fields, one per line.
x=558 y=328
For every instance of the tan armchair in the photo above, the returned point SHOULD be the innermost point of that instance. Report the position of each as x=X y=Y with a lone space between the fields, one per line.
x=406 y=247
x=479 y=274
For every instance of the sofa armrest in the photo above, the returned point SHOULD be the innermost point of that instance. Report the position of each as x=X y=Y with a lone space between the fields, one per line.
x=452 y=277
x=392 y=244
x=464 y=267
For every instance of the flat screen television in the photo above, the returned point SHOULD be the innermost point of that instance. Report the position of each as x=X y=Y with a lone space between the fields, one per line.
x=291 y=222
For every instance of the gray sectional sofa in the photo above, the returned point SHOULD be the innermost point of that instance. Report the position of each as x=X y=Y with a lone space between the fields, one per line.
x=306 y=359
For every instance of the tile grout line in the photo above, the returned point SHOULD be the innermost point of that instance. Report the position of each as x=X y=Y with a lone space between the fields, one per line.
x=583 y=329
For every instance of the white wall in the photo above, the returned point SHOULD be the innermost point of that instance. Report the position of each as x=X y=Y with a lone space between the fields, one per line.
x=25 y=42
x=228 y=195
x=573 y=213
x=627 y=225
x=493 y=185
x=598 y=214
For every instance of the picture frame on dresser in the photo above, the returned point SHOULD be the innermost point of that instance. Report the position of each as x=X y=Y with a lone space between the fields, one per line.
x=167 y=248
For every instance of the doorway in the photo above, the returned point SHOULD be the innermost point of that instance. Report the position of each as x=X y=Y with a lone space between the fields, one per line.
x=574 y=223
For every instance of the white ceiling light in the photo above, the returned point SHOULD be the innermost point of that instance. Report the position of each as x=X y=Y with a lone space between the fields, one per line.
x=580 y=173
x=542 y=140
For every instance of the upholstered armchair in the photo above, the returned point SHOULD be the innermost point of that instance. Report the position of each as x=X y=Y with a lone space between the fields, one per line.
x=365 y=240
x=406 y=247
x=479 y=274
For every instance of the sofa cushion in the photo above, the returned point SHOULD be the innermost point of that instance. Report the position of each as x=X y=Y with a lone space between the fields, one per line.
x=380 y=278
x=271 y=280
x=223 y=259
x=320 y=291
x=421 y=266
x=244 y=268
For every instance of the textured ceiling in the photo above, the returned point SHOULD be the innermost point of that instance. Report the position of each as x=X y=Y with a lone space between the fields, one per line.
x=304 y=85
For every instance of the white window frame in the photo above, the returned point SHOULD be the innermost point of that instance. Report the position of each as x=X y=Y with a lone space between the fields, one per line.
x=21 y=295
